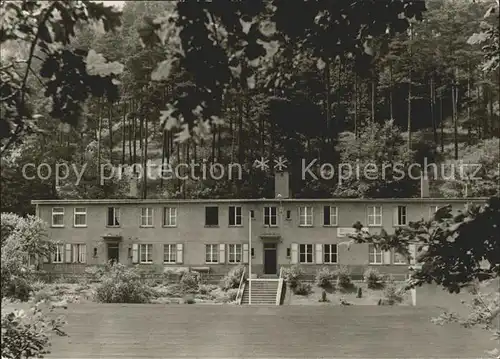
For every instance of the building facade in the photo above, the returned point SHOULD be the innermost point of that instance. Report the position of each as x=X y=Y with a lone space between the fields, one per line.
x=214 y=235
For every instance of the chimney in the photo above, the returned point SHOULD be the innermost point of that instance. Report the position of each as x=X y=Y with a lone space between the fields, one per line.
x=281 y=185
x=424 y=187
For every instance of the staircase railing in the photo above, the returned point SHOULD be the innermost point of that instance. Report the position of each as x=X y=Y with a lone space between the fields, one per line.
x=241 y=288
x=280 y=287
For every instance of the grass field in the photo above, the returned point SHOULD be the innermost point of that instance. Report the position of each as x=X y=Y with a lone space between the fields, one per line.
x=223 y=331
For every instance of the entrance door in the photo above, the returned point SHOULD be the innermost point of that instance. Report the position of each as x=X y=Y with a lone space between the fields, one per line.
x=270 y=259
x=113 y=252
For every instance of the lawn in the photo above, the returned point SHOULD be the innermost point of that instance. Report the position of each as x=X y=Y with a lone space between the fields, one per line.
x=221 y=331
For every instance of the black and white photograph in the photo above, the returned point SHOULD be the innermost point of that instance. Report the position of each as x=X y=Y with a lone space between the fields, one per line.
x=250 y=179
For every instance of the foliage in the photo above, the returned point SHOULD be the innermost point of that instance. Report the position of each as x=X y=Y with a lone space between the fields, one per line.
x=392 y=294
x=122 y=285
x=73 y=75
x=189 y=299
x=232 y=279
x=374 y=279
x=190 y=281
x=325 y=278
x=27 y=334
x=292 y=275
x=302 y=288
x=343 y=277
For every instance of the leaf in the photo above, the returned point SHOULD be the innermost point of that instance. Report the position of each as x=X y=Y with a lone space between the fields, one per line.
x=251 y=82
x=368 y=49
x=245 y=25
x=320 y=64
x=162 y=71
x=477 y=38
x=96 y=65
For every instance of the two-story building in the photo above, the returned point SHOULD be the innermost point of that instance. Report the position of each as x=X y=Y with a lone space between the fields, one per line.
x=214 y=235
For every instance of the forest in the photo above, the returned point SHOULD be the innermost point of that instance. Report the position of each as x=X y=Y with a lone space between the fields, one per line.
x=175 y=82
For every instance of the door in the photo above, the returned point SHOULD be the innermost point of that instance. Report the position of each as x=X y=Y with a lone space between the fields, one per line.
x=270 y=259
x=113 y=253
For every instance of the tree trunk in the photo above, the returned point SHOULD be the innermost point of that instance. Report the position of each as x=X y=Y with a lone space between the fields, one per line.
x=441 y=121
x=110 y=129
x=355 y=105
x=373 y=98
x=145 y=161
x=99 y=134
x=409 y=91
x=469 y=97
x=214 y=133
x=134 y=131
x=391 y=100
x=327 y=102
x=432 y=102
x=124 y=133
x=163 y=154
x=454 y=94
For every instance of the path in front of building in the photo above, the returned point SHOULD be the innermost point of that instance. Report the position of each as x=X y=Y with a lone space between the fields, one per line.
x=226 y=331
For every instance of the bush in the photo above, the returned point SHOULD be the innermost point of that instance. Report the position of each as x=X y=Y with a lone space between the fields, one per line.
x=232 y=294
x=123 y=285
x=374 y=279
x=392 y=295
x=205 y=289
x=302 y=289
x=292 y=275
x=27 y=334
x=174 y=274
x=360 y=293
x=343 y=278
x=190 y=281
x=323 y=298
x=232 y=279
x=189 y=299
x=325 y=278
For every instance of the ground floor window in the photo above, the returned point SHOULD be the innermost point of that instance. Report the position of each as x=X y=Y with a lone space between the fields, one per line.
x=57 y=255
x=399 y=258
x=169 y=253
x=375 y=255
x=306 y=253
x=330 y=253
x=79 y=253
x=234 y=253
x=211 y=253
x=146 y=253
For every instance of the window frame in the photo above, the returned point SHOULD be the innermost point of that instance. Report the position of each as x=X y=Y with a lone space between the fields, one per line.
x=329 y=254
x=57 y=214
x=206 y=216
x=79 y=213
x=306 y=246
x=306 y=215
x=232 y=251
x=80 y=253
x=116 y=218
x=149 y=214
x=148 y=252
x=172 y=253
x=214 y=253
x=396 y=259
x=270 y=216
x=376 y=253
x=331 y=216
x=59 y=251
x=172 y=214
x=235 y=216
x=372 y=213
x=399 y=215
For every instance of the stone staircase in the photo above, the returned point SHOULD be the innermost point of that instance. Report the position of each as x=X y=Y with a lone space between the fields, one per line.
x=263 y=292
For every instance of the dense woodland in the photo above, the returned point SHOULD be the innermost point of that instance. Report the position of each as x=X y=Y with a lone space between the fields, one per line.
x=191 y=82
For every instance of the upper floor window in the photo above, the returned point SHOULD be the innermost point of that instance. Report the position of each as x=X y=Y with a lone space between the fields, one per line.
x=234 y=216
x=234 y=253
x=211 y=253
x=401 y=219
x=374 y=215
x=113 y=216
x=330 y=216
x=330 y=253
x=169 y=253
x=270 y=216
x=212 y=216
x=57 y=255
x=170 y=217
x=305 y=216
x=58 y=217
x=375 y=255
x=146 y=253
x=146 y=217
x=306 y=253
x=80 y=219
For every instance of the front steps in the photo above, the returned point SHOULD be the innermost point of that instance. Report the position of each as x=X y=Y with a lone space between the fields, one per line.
x=263 y=292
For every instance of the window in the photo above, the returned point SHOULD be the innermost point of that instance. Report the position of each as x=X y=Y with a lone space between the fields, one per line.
x=170 y=217
x=375 y=255
x=211 y=216
x=252 y=253
x=80 y=217
x=57 y=256
x=79 y=253
x=57 y=217
x=169 y=253
x=234 y=216
x=252 y=214
x=330 y=253
x=306 y=253
x=234 y=253
x=270 y=216
x=330 y=216
x=288 y=251
x=146 y=217
x=305 y=216
x=375 y=216
x=113 y=216
x=211 y=253
x=146 y=253
x=288 y=215
x=398 y=258
x=401 y=220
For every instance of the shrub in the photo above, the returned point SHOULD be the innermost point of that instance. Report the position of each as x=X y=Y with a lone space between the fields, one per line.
x=374 y=279
x=123 y=285
x=360 y=293
x=323 y=298
x=292 y=275
x=206 y=288
x=190 y=281
x=343 y=278
x=189 y=299
x=302 y=289
x=325 y=278
x=232 y=294
x=232 y=279
x=27 y=334
x=392 y=294
x=174 y=274
x=95 y=273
